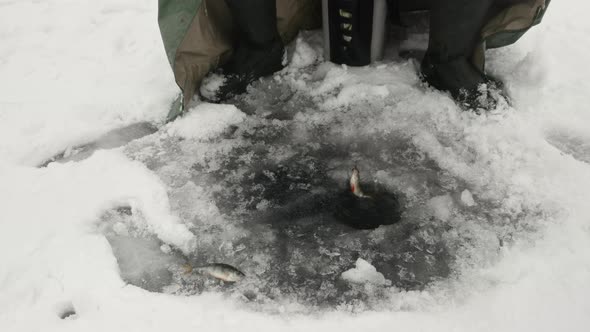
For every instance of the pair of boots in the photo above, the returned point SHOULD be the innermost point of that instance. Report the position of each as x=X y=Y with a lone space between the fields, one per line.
x=454 y=31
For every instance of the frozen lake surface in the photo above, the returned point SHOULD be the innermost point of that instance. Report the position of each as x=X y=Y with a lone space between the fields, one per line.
x=260 y=193
x=103 y=205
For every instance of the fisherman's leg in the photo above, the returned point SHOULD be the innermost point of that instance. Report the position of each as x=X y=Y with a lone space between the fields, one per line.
x=455 y=26
x=258 y=49
x=499 y=5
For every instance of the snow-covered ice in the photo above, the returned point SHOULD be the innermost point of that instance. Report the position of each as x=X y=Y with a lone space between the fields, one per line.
x=495 y=233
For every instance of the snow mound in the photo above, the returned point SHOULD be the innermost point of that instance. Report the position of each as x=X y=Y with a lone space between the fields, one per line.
x=206 y=121
x=363 y=273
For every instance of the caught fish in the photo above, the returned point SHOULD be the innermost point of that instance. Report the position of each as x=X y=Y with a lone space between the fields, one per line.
x=367 y=207
x=355 y=184
x=219 y=271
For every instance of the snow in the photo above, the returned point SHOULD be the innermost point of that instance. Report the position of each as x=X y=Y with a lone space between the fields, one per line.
x=104 y=236
x=69 y=74
x=211 y=84
x=303 y=55
x=467 y=198
x=206 y=121
x=441 y=207
x=364 y=272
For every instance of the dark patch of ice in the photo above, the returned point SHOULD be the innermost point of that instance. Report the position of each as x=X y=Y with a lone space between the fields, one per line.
x=276 y=182
x=577 y=147
x=113 y=139
x=261 y=197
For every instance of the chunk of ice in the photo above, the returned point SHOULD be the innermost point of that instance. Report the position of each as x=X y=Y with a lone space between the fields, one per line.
x=364 y=273
x=441 y=207
x=467 y=198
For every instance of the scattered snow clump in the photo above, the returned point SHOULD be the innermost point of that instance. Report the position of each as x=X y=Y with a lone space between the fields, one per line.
x=304 y=55
x=206 y=121
x=363 y=273
x=467 y=198
x=211 y=85
x=441 y=207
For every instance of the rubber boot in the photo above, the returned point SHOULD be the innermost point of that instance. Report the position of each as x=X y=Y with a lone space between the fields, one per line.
x=258 y=49
x=455 y=27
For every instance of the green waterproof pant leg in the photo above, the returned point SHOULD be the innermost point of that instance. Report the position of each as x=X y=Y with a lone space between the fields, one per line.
x=455 y=27
x=255 y=21
x=258 y=50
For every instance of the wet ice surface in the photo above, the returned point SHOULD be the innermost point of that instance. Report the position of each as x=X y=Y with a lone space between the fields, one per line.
x=144 y=260
x=259 y=184
x=270 y=214
x=113 y=139
x=574 y=144
x=261 y=197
